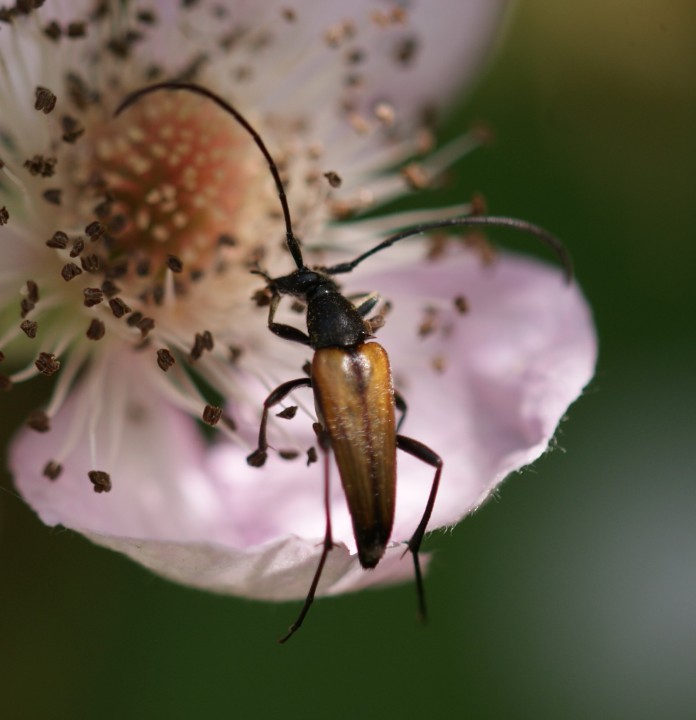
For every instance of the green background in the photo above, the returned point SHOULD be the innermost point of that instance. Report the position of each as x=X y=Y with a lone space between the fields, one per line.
x=572 y=594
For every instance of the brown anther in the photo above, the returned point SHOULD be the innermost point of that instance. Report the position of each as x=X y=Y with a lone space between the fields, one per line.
x=134 y=319
x=53 y=196
x=416 y=176
x=174 y=263
x=208 y=342
x=229 y=423
x=384 y=112
x=25 y=307
x=212 y=414
x=95 y=230
x=146 y=17
x=44 y=100
x=405 y=50
x=234 y=354
x=70 y=271
x=47 y=364
x=29 y=328
x=76 y=30
x=53 y=31
x=262 y=297
x=461 y=304
x=165 y=359
x=288 y=413
x=118 y=307
x=72 y=130
x=5 y=383
x=142 y=267
x=39 y=421
x=297 y=306
x=90 y=263
x=146 y=325
x=307 y=368
x=52 y=470
x=59 y=241
x=311 y=455
x=289 y=15
x=226 y=240
x=375 y=323
x=429 y=324
x=92 y=296
x=40 y=165
x=333 y=178
x=288 y=454
x=101 y=481
x=110 y=289
x=96 y=330
x=4 y=215
x=478 y=203
x=77 y=247
x=439 y=363
x=32 y=291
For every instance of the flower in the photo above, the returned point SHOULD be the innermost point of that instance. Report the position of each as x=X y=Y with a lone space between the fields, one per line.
x=127 y=248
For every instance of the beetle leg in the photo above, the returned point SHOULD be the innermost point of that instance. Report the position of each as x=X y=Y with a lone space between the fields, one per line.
x=328 y=544
x=287 y=332
x=258 y=457
x=424 y=453
x=402 y=407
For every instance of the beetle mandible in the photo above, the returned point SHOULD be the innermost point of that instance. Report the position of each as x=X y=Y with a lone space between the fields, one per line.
x=350 y=376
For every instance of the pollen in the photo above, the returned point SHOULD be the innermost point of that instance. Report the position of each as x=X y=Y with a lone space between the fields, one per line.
x=177 y=172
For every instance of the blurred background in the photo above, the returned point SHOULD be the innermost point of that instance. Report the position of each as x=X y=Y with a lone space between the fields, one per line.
x=571 y=594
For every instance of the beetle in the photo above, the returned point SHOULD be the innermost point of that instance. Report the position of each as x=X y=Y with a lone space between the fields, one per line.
x=350 y=376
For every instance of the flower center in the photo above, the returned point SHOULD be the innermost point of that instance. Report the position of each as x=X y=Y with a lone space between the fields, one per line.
x=174 y=172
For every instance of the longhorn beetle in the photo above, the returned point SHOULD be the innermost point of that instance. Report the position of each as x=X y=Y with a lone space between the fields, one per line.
x=350 y=376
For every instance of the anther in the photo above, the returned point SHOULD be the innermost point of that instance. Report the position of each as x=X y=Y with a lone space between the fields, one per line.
x=52 y=470
x=32 y=291
x=26 y=306
x=76 y=30
x=212 y=414
x=53 y=30
x=92 y=296
x=59 y=241
x=311 y=455
x=174 y=263
x=72 y=129
x=29 y=328
x=165 y=359
x=146 y=325
x=45 y=100
x=39 y=421
x=118 y=307
x=4 y=215
x=77 y=247
x=40 y=165
x=5 y=383
x=288 y=454
x=53 y=196
x=96 y=330
x=47 y=364
x=70 y=271
x=334 y=178
x=90 y=263
x=101 y=481
x=288 y=413
x=95 y=230
x=461 y=304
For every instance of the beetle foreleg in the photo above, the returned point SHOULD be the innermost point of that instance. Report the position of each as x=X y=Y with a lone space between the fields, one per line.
x=424 y=453
x=328 y=545
x=287 y=332
x=258 y=457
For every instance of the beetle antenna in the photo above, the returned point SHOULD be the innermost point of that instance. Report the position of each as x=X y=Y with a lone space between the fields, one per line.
x=544 y=236
x=132 y=98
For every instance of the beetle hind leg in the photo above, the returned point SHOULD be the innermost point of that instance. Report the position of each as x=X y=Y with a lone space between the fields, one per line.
x=424 y=453
x=328 y=545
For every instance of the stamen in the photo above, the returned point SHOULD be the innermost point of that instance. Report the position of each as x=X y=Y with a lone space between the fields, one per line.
x=52 y=470
x=101 y=481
